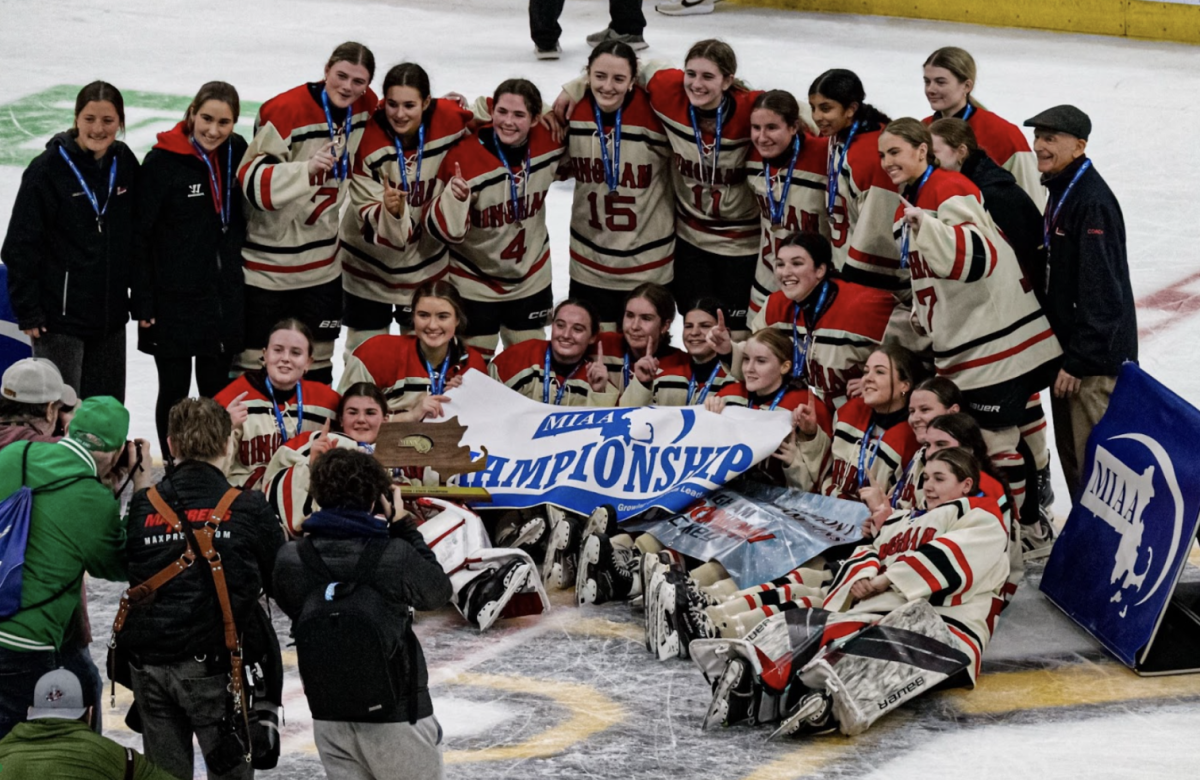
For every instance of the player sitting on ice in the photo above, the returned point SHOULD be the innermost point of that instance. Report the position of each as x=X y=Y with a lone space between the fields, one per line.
x=489 y=582
x=912 y=608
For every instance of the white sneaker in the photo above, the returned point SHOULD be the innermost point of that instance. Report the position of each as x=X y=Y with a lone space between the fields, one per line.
x=548 y=54
x=685 y=7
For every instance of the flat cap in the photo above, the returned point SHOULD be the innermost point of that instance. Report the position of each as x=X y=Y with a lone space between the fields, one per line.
x=1063 y=119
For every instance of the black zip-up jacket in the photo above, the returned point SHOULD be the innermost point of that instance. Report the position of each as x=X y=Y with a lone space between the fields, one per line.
x=408 y=575
x=1088 y=297
x=1013 y=211
x=65 y=274
x=187 y=271
x=183 y=618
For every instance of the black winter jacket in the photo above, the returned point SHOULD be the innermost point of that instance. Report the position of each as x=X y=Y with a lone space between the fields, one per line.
x=1088 y=296
x=64 y=274
x=187 y=271
x=1013 y=211
x=183 y=618
x=408 y=575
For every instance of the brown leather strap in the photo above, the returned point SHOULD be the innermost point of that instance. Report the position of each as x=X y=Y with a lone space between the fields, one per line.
x=172 y=570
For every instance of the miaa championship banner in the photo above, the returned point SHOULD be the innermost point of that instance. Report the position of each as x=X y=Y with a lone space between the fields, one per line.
x=1116 y=566
x=759 y=532
x=581 y=457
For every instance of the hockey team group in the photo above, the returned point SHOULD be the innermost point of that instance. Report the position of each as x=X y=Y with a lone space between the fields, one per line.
x=908 y=290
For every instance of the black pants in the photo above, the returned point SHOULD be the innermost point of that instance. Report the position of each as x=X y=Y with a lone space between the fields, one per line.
x=702 y=274
x=625 y=17
x=175 y=382
x=365 y=314
x=610 y=304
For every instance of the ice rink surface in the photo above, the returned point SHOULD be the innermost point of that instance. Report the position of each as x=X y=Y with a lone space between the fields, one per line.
x=574 y=694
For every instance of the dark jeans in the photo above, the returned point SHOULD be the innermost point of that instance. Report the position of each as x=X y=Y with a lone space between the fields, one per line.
x=178 y=700
x=93 y=366
x=20 y=671
x=175 y=382
x=625 y=17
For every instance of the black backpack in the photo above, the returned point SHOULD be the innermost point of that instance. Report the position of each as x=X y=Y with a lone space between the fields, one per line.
x=352 y=666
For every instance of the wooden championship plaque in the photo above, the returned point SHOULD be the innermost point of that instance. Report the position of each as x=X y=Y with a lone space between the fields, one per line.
x=435 y=446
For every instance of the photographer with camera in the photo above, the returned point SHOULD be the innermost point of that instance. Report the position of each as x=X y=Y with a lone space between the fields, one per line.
x=349 y=586
x=200 y=554
x=66 y=524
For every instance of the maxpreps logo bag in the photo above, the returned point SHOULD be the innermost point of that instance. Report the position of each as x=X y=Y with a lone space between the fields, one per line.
x=580 y=457
x=1123 y=548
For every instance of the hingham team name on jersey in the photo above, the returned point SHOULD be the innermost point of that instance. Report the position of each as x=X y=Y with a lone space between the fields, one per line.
x=591 y=171
x=502 y=214
x=690 y=169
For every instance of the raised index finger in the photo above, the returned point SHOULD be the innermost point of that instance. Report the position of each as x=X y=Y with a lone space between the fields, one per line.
x=720 y=318
x=457 y=171
x=600 y=352
x=238 y=400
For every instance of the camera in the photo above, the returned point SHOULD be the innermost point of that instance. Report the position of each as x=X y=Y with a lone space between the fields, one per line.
x=230 y=751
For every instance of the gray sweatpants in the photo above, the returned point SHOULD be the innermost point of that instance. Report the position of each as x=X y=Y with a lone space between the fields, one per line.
x=380 y=751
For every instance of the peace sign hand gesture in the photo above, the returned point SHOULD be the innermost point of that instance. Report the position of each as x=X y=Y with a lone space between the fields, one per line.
x=718 y=335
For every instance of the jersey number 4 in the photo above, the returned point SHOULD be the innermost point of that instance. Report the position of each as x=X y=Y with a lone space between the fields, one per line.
x=515 y=251
x=618 y=217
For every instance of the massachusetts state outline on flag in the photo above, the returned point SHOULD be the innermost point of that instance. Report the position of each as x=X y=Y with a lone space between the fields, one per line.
x=580 y=457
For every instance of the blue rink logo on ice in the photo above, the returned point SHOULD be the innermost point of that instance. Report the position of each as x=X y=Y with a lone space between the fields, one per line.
x=634 y=459
x=1123 y=548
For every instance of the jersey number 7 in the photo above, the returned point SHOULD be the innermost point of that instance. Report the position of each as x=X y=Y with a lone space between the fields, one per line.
x=324 y=198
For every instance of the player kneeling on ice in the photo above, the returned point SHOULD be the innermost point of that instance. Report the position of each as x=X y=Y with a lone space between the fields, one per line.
x=914 y=607
x=488 y=582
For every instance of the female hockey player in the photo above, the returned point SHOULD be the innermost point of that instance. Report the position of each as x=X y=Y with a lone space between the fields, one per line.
x=949 y=75
x=859 y=198
x=871 y=433
x=683 y=379
x=932 y=398
x=68 y=257
x=644 y=333
x=834 y=324
x=385 y=251
x=622 y=217
x=414 y=371
x=988 y=333
x=261 y=402
x=490 y=206
x=787 y=172
x=187 y=281
x=706 y=113
x=923 y=595
x=295 y=175
x=484 y=578
x=555 y=371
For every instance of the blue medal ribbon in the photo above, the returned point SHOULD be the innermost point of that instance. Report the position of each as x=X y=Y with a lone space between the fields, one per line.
x=548 y=374
x=403 y=164
x=716 y=140
x=625 y=369
x=612 y=170
x=518 y=211
x=863 y=463
x=904 y=226
x=776 y=209
x=437 y=380
x=835 y=170
x=1049 y=219
x=279 y=415
x=897 y=494
x=707 y=385
x=341 y=168
x=91 y=196
x=219 y=193
x=970 y=109
x=800 y=358
x=778 y=397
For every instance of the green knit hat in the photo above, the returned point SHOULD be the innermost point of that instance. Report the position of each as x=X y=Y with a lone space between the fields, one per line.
x=104 y=417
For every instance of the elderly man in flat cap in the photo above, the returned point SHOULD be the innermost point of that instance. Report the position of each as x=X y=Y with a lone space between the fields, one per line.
x=1084 y=287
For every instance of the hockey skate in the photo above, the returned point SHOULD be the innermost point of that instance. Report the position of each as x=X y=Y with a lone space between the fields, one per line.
x=690 y=618
x=602 y=520
x=814 y=715
x=484 y=598
x=668 y=642
x=734 y=696
x=1037 y=538
x=654 y=566
x=562 y=551
x=607 y=571
x=526 y=533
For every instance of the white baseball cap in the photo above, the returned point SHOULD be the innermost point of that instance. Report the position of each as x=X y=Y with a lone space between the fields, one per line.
x=57 y=695
x=36 y=381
